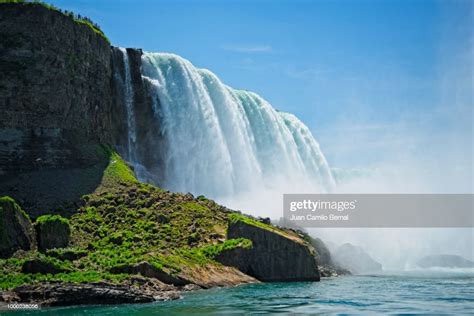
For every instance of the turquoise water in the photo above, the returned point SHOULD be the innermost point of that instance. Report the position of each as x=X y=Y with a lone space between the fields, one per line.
x=407 y=293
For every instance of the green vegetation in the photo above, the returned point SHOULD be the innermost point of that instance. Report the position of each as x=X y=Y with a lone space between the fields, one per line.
x=60 y=265
x=8 y=202
x=51 y=218
x=8 y=207
x=125 y=222
x=118 y=170
x=52 y=231
x=11 y=280
x=213 y=251
x=67 y=253
x=235 y=217
x=76 y=17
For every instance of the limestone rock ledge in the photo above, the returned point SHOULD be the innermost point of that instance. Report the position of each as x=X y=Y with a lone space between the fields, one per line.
x=63 y=294
x=276 y=256
x=204 y=277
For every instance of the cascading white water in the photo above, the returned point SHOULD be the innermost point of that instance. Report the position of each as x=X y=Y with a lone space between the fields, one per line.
x=128 y=98
x=224 y=142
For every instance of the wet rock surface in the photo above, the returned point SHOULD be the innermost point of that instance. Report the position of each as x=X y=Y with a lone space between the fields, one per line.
x=62 y=294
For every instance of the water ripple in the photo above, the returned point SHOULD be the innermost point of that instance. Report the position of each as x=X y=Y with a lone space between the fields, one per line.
x=356 y=294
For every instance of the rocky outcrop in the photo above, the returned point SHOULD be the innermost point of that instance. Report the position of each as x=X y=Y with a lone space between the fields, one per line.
x=41 y=266
x=52 y=231
x=444 y=261
x=327 y=267
x=16 y=231
x=62 y=294
x=148 y=270
x=212 y=275
x=355 y=259
x=274 y=256
x=204 y=277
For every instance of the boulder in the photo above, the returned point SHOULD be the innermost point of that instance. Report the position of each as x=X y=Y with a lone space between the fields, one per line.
x=16 y=231
x=355 y=259
x=52 y=231
x=275 y=255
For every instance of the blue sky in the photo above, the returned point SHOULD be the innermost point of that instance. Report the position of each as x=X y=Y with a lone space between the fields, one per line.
x=368 y=77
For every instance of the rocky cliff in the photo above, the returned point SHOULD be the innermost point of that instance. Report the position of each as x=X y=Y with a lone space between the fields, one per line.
x=275 y=256
x=62 y=94
x=61 y=98
x=55 y=89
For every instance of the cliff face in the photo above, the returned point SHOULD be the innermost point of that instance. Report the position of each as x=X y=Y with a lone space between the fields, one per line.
x=55 y=89
x=60 y=100
x=273 y=256
x=118 y=92
x=145 y=145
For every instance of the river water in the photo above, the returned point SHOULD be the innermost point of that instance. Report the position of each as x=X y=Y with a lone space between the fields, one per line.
x=400 y=292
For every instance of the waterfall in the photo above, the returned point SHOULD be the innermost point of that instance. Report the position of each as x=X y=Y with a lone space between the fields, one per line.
x=129 y=106
x=223 y=142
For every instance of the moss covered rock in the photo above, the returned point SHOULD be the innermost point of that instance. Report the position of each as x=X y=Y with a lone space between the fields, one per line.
x=67 y=254
x=52 y=231
x=44 y=265
x=148 y=270
x=16 y=231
